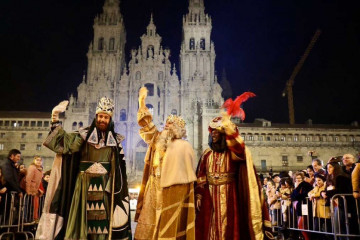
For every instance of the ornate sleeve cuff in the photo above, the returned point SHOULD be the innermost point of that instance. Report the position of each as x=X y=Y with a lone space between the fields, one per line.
x=144 y=117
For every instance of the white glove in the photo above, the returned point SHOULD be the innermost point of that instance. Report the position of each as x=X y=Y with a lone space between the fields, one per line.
x=61 y=107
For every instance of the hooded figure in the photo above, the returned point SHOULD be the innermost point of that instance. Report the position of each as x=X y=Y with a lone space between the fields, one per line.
x=87 y=195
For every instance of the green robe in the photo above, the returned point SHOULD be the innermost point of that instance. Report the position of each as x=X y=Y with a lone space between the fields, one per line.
x=79 y=204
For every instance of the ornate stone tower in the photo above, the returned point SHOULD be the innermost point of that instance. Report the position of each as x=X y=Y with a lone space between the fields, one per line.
x=106 y=62
x=196 y=98
x=200 y=91
x=149 y=66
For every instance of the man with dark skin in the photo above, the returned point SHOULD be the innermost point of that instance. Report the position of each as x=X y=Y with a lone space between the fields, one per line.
x=228 y=193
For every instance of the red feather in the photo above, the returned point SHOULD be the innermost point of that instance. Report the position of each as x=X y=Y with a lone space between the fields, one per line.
x=233 y=107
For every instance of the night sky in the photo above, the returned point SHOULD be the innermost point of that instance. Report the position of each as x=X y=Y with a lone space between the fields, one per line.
x=43 y=46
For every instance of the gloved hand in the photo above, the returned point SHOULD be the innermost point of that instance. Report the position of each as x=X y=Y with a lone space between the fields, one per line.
x=229 y=127
x=61 y=107
x=142 y=96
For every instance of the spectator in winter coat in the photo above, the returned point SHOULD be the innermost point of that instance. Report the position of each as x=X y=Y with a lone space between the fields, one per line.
x=10 y=172
x=34 y=176
x=286 y=188
x=33 y=182
x=299 y=194
x=11 y=177
x=338 y=182
x=274 y=204
x=321 y=212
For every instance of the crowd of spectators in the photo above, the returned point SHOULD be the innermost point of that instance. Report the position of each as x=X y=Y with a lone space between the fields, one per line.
x=306 y=195
x=16 y=178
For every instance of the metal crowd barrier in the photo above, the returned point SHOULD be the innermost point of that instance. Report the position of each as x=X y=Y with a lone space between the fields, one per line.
x=19 y=213
x=343 y=221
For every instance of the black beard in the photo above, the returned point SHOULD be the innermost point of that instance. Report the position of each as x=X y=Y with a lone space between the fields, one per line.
x=220 y=145
x=102 y=128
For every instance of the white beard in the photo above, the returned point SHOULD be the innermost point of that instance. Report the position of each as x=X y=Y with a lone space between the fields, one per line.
x=163 y=140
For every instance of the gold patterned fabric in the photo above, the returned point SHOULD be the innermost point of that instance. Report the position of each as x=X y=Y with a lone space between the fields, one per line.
x=164 y=211
x=231 y=206
x=167 y=213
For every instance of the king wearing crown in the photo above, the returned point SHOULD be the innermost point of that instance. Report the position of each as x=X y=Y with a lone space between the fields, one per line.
x=165 y=208
x=87 y=195
x=228 y=195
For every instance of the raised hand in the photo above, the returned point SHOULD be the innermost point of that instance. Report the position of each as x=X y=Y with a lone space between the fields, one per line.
x=61 y=107
x=142 y=96
x=229 y=126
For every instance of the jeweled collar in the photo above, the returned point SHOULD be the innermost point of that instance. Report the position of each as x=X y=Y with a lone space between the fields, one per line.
x=94 y=138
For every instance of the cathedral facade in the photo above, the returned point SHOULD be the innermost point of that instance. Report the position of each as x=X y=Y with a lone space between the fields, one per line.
x=193 y=93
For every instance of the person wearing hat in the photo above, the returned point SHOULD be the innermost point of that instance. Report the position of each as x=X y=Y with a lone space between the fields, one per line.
x=87 y=194
x=229 y=201
x=165 y=208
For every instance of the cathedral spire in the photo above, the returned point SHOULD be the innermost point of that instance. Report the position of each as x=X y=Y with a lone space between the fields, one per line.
x=151 y=28
x=197 y=13
x=111 y=13
x=196 y=3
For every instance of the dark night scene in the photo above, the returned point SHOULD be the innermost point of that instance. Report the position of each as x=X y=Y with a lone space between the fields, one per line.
x=179 y=119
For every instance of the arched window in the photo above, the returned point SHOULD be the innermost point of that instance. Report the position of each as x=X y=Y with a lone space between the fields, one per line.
x=161 y=76
x=101 y=43
x=174 y=112
x=202 y=43
x=111 y=43
x=74 y=125
x=192 y=44
x=158 y=91
x=81 y=124
x=150 y=88
x=138 y=75
x=122 y=115
x=151 y=108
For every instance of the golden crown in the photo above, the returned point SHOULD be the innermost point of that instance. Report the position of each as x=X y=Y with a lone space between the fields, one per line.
x=105 y=105
x=179 y=121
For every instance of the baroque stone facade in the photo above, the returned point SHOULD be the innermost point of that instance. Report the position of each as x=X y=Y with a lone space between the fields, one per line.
x=190 y=94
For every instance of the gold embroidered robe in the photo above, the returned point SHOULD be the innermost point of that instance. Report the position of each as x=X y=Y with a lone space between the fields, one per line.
x=165 y=208
x=231 y=197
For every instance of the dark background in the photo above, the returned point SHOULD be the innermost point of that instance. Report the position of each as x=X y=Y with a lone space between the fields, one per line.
x=43 y=46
